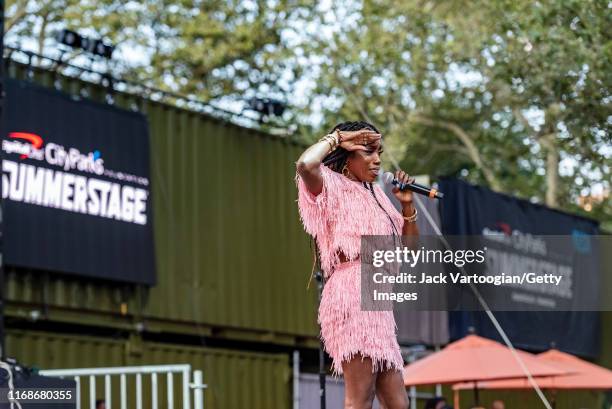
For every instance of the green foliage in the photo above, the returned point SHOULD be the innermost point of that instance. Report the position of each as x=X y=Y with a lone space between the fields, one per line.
x=510 y=94
x=205 y=49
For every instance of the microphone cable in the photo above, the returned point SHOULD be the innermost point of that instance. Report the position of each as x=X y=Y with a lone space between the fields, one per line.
x=480 y=299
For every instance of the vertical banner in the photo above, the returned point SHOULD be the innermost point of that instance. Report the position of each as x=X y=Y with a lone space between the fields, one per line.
x=473 y=210
x=75 y=186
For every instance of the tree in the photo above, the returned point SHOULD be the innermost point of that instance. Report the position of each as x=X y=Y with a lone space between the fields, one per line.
x=204 y=49
x=509 y=94
x=552 y=57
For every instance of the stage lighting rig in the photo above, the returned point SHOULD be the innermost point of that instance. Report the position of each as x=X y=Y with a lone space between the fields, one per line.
x=94 y=46
x=266 y=107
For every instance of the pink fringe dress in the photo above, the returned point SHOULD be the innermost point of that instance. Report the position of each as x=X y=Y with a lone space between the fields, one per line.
x=337 y=217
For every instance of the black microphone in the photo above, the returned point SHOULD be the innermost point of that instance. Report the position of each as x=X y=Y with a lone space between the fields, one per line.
x=430 y=192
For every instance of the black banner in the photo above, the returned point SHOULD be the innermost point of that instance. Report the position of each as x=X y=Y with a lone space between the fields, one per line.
x=473 y=210
x=75 y=186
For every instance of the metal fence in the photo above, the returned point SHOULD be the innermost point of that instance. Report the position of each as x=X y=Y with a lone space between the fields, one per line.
x=87 y=377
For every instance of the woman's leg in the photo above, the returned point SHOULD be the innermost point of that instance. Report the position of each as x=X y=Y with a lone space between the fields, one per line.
x=390 y=390
x=359 y=382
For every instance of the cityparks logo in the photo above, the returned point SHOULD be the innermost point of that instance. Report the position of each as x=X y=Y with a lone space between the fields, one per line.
x=503 y=233
x=30 y=146
x=23 y=180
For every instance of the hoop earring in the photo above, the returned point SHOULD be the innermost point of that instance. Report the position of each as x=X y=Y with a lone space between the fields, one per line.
x=345 y=171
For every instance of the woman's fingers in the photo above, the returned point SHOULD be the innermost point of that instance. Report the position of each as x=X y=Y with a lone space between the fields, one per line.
x=375 y=137
x=366 y=136
x=366 y=132
x=371 y=135
x=403 y=178
x=357 y=147
x=361 y=138
x=368 y=140
x=353 y=145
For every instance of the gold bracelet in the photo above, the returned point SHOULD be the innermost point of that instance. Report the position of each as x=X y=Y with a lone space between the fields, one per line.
x=412 y=218
x=331 y=140
x=324 y=139
x=336 y=140
x=338 y=136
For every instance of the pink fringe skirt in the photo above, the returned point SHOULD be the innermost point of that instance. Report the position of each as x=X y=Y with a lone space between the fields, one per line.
x=348 y=331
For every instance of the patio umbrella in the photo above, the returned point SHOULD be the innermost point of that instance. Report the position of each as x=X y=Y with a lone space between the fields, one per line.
x=582 y=375
x=472 y=359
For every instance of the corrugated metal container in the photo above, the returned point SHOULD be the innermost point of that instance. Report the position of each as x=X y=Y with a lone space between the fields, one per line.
x=232 y=257
x=51 y=351
x=236 y=380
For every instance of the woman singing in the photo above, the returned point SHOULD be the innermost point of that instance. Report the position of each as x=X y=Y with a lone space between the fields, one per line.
x=338 y=203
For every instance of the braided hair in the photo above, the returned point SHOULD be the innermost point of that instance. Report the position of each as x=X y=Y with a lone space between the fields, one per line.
x=337 y=159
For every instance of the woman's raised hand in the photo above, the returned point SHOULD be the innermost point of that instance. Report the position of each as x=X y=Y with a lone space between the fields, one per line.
x=357 y=140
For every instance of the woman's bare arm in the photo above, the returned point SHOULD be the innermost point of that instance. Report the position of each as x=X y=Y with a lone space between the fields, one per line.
x=308 y=166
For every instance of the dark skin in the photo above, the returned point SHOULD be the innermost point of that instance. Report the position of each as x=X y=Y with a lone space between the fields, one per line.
x=363 y=165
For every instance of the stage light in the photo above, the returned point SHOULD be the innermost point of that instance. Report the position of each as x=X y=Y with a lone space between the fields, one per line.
x=94 y=46
x=69 y=38
x=267 y=106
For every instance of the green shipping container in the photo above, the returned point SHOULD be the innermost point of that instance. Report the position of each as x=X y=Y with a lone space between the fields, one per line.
x=236 y=380
x=232 y=258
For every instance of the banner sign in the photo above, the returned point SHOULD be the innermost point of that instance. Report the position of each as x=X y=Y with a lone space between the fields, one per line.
x=75 y=186
x=506 y=221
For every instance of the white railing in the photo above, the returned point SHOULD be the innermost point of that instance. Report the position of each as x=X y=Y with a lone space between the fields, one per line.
x=155 y=372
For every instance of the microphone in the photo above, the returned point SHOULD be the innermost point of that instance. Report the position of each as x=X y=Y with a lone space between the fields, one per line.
x=430 y=192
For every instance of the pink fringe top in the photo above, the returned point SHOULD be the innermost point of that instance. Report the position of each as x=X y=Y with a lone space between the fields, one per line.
x=343 y=212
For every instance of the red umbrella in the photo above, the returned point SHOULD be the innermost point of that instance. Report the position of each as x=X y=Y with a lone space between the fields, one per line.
x=474 y=358
x=583 y=375
x=471 y=359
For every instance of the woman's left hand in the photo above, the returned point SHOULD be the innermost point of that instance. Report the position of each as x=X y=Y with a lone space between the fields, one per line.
x=405 y=196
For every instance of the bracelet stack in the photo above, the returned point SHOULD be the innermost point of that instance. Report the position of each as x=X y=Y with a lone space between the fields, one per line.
x=412 y=218
x=333 y=139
